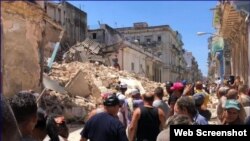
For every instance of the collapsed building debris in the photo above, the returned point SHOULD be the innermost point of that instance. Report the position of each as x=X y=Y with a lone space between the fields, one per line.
x=92 y=51
x=88 y=51
x=84 y=83
x=98 y=75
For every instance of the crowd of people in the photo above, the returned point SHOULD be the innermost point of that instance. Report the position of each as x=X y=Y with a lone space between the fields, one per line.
x=26 y=119
x=127 y=115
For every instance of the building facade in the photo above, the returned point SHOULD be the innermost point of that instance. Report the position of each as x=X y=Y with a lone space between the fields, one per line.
x=161 y=41
x=71 y=18
x=135 y=59
x=192 y=72
x=132 y=57
x=232 y=25
x=188 y=58
x=155 y=52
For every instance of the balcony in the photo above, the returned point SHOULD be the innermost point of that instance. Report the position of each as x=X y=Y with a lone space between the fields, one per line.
x=151 y=44
x=230 y=17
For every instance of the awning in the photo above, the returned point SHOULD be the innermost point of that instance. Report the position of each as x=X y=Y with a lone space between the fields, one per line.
x=217 y=44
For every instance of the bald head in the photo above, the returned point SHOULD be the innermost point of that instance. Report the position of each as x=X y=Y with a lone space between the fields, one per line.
x=232 y=94
x=148 y=97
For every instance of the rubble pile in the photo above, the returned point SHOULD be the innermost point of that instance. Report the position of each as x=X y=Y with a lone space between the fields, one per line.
x=84 y=83
x=98 y=75
x=75 y=108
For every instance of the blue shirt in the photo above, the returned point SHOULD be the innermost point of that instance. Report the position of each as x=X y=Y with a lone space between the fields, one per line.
x=104 y=127
x=199 y=119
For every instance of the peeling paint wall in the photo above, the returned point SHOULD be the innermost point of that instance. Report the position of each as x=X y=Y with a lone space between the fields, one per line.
x=22 y=32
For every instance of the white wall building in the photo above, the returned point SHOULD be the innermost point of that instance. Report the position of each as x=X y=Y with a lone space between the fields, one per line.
x=161 y=41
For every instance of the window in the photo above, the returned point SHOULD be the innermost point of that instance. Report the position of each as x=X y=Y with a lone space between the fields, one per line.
x=54 y=14
x=148 y=40
x=132 y=66
x=159 y=38
x=141 y=68
x=64 y=17
x=94 y=35
x=59 y=15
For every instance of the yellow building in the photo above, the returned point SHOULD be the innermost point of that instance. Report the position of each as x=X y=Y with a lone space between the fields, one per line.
x=233 y=27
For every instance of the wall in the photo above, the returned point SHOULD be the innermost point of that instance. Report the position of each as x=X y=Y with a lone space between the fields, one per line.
x=131 y=53
x=99 y=35
x=149 y=68
x=22 y=31
x=27 y=33
x=171 y=58
x=73 y=20
x=152 y=33
x=135 y=57
x=188 y=58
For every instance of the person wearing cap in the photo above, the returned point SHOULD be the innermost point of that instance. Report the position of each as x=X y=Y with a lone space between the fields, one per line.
x=184 y=82
x=199 y=99
x=147 y=121
x=232 y=94
x=169 y=84
x=177 y=90
x=121 y=95
x=105 y=126
x=100 y=106
x=123 y=88
x=131 y=103
x=232 y=113
x=121 y=112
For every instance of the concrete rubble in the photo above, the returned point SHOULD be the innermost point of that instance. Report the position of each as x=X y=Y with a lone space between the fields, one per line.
x=98 y=79
x=88 y=51
x=84 y=83
x=97 y=75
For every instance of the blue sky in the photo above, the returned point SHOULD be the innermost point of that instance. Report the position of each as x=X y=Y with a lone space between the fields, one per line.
x=188 y=17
